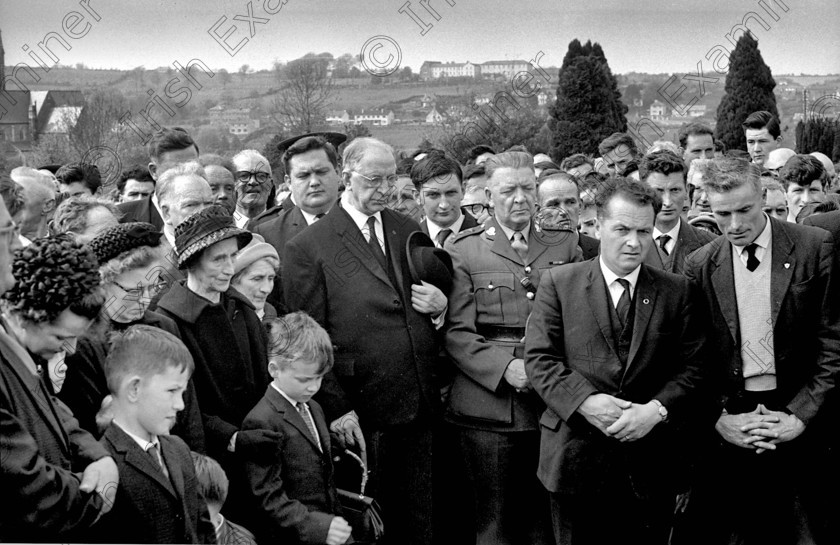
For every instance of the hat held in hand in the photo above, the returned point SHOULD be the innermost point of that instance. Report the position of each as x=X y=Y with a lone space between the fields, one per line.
x=427 y=263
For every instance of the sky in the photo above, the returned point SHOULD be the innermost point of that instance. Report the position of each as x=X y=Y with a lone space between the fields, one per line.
x=652 y=36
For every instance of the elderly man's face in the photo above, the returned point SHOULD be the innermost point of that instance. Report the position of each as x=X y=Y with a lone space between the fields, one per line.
x=404 y=199
x=513 y=192
x=188 y=195
x=314 y=181
x=9 y=243
x=171 y=159
x=775 y=205
x=252 y=193
x=222 y=186
x=371 y=183
x=561 y=193
x=38 y=206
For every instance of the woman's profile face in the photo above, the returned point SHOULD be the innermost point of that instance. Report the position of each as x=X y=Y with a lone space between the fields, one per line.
x=46 y=339
x=128 y=295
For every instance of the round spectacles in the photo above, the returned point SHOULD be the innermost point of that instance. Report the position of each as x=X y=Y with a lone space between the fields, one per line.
x=150 y=289
x=245 y=176
x=475 y=209
x=377 y=181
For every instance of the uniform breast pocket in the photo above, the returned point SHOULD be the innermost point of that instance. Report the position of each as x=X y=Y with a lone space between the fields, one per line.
x=494 y=291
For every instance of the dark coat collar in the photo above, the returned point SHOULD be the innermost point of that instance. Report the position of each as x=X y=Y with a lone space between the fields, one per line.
x=188 y=306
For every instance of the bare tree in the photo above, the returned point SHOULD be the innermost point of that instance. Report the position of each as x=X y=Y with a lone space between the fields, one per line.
x=306 y=92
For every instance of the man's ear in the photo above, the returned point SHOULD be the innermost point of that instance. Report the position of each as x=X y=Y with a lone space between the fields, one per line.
x=287 y=180
x=153 y=170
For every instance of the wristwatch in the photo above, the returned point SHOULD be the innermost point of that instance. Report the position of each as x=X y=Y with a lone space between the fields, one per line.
x=663 y=411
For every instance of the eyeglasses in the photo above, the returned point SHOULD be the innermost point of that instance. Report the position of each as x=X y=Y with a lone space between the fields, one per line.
x=136 y=293
x=377 y=181
x=245 y=176
x=10 y=231
x=475 y=209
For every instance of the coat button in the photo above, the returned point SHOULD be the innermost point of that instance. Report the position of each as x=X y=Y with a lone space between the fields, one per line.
x=396 y=302
x=489 y=286
x=530 y=295
x=527 y=270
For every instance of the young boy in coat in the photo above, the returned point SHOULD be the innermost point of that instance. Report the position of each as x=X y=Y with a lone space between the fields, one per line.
x=157 y=500
x=292 y=484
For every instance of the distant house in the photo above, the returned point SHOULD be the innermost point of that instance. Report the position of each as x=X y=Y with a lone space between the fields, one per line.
x=431 y=70
x=508 y=69
x=337 y=117
x=697 y=110
x=376 y=118
x=237 y=121
x=433 y=116
x=57 y=111
x=483 y=98
x=658 y=111
x=426 y=69
x=542 y=98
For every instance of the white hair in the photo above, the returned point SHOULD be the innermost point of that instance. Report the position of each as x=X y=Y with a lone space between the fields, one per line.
x=356 y=150
x=252 y=154
x=189 y=169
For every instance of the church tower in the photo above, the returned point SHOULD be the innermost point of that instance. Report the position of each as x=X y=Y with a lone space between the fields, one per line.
x=2 y=64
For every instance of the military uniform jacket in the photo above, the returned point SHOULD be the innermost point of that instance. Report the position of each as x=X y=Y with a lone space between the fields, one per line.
x=491 y=298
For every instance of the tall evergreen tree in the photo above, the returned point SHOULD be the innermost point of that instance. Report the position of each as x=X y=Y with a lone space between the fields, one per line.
x=749 y=88
x=588 y=106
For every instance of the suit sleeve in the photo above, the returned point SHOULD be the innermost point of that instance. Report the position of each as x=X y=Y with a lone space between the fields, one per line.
x=478 y=359
x=39 y=494
x=807 y=402
x=278 y=511
x=562 y=388
x=86 y=449
x=305 y=288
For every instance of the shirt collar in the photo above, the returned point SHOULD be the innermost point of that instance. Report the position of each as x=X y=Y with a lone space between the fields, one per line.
x=359 y=218
x=673 y=233
x=309 y=218
x=139 y=440
x=509 y=232
x=434 y=228
x=762 y=240
x=282 y=393
x=611 y=277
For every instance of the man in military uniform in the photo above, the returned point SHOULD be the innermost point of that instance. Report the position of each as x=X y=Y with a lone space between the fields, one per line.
x=492 y=405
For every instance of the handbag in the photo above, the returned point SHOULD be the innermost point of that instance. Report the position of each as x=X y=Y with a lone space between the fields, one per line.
x=362 y=512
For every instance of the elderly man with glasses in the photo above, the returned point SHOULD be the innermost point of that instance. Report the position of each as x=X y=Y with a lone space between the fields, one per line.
x=350 y=272
x=253 y=180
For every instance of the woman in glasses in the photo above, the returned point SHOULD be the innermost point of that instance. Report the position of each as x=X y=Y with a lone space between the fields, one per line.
x=131 y=261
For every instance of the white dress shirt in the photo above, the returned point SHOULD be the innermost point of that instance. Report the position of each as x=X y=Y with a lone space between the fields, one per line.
x=361 y=219
x=616 y=289
x=673 y=233
x=762 y=241
x=294 y=404
x=434 y=228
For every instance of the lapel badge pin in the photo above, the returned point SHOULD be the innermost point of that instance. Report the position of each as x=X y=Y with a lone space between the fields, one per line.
x=787 y=265
x=491 y=232
x=646 y=301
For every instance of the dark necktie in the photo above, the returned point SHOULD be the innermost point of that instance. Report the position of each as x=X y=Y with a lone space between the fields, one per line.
x=373 y=243
x=319 y=216
x=752 y=261
x=442 y=235
x=623 y=307
x=663 y=241
x=154 y=453
x=518 y=243
x=307 y=418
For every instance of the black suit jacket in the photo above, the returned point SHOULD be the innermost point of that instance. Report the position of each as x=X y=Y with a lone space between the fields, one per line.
x=830 y=221
x=570 y=353
x=277 y=232
x=591 y=247
x=43 y=453
x=806 y=328
x=149 y=508
x=292 y=486
x=270 y=214
x=140 y=210
x=689 y=239
x=385 y=351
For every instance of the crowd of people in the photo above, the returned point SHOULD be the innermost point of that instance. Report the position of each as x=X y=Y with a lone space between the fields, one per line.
x=638 y=347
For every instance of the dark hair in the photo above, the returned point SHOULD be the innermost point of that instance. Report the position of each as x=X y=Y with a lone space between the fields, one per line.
x=296 y=336
x=616 y=139
x=51 y=168
x=803 y=170
x=166 y=140
x=575 y=160
x=308 y=144
x=137 y=172
x=664 y=162
x=478 y=150
x=435 y=163
x=474 y=171
x=54 y=274
x=211 y=479
x=694 y=129
x=720 y=146
x=87 y=173
x=12 y=194
x=763 y=119
x=144 y=350
x=618 y=186
x=546 y=165
x=404 y=166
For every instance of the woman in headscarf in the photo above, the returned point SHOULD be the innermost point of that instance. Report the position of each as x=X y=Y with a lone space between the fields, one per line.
x=254 y=274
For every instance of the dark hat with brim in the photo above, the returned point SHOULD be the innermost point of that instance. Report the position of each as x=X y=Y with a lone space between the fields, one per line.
x=202 y=230
x=427 y=263
x=334 y=138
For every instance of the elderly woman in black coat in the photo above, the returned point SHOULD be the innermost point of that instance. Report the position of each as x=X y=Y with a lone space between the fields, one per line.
x=221 y=330
x=131 y=264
